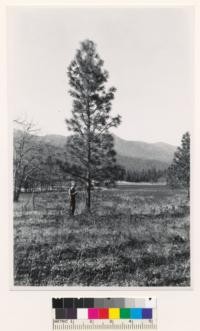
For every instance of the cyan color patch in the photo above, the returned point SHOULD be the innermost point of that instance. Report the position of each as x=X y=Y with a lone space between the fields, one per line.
x=136 y=313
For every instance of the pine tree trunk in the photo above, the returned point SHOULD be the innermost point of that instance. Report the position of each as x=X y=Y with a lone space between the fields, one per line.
x=188 y=193
x=16 y=195
x=88 y=203
x=88 y=159
x=88 y=194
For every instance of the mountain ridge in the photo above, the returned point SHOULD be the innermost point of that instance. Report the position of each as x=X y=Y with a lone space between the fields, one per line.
x=154 y=151
x=133 y=155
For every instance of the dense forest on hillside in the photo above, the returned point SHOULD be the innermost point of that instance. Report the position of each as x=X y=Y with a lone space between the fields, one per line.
x=40 y=168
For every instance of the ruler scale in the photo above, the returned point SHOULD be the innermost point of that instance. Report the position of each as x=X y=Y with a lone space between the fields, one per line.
x=104 y=314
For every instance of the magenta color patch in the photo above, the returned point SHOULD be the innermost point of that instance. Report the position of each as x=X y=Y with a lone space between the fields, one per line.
x=93 y=313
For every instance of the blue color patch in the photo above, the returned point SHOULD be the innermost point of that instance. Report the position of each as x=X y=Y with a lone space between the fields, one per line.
x=147 y=313
x=136 y=313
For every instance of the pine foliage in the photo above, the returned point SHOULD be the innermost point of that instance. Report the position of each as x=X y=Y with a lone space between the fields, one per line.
x=90 y=148
x=179 y=171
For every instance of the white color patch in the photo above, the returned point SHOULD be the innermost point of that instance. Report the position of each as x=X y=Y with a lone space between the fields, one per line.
x=82 y=313
x=150 y=303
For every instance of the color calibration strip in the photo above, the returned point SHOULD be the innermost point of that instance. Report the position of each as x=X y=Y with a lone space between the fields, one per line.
x=104 y=313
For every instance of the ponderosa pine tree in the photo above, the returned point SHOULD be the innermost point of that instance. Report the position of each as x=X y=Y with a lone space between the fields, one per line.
x=90 y=149
x=179 y=171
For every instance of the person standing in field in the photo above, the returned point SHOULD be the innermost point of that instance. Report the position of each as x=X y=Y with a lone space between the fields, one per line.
x=72 y=197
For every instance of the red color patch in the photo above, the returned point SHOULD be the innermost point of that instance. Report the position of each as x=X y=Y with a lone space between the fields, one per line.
x=103 y=313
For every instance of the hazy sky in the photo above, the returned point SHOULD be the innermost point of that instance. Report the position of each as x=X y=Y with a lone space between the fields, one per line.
x=148 y=53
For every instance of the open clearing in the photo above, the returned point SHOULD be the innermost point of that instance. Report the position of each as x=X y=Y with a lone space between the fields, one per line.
x=134 y=236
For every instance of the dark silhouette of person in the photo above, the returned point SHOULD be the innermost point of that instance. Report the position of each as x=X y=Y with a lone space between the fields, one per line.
x=72 y=197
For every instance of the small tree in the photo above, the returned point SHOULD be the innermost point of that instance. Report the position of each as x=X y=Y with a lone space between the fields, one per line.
x=179 y=172
x=26 y=156
x=90 y=149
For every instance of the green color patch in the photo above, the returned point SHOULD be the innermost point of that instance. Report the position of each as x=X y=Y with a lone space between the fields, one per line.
x=125 y=313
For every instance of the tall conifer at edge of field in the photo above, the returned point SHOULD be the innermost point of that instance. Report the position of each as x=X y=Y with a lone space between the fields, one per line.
x=90 y=149
x=179 y=171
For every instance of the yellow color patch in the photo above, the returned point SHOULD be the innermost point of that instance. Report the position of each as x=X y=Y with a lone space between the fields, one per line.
x=114 y=313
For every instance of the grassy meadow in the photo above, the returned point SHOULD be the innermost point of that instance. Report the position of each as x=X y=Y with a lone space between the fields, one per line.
x=135 y=235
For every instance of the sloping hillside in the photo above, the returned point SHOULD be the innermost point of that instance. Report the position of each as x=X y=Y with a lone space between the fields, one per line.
x=154 y=151
x=133 y=155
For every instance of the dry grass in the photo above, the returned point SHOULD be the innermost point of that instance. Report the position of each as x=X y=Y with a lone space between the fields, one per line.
x=133 y=237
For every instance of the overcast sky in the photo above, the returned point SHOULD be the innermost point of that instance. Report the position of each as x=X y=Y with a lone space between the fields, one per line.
x=148 y=53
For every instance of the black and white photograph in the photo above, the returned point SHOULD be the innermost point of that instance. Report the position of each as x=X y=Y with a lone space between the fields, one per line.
x=101 y=102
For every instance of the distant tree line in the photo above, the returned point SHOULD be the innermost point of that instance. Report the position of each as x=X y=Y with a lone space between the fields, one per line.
x=145 y=175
